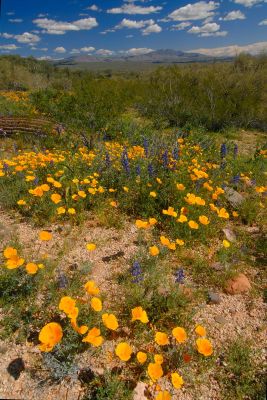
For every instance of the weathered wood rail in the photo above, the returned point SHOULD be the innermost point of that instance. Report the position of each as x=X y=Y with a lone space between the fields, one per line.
x=13 y=125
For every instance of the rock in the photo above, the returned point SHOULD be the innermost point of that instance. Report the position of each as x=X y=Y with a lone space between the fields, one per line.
x=218 y=266
x=86 y=375
x=220 y=320
x=214 y=298
x=230 y=235
x=113 y=256
x=234 y=198
x=253 y=229
x=16 y=367
x=62 y=281
x=239 y=284
x=139 y=391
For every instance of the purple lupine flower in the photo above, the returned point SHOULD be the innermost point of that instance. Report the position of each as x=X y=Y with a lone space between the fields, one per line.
x=175 y=153
x=150 y=170
x=235 y=150
x=138 y=170
x=165 y=159
x=223 y=150
x=136 y=272
x=146 y=148
x=36 y=181
x=236 y=179
x=179 y=276
x=5 y=167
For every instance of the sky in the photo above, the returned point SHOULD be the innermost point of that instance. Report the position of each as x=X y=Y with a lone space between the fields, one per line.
x=53 y=29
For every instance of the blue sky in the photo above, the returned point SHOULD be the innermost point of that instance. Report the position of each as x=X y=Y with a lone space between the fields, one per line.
x=61 y=28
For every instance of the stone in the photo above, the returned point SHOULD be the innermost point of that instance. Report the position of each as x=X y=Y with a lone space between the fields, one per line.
x=218 y=266
x=230 y=235
x=113 y=256
x=234 y=198
x=239 y=284
x=139 y=391
x=16 y=367
x=86 y=375
x=214 y=298
x=253 y=229
x=220 y=319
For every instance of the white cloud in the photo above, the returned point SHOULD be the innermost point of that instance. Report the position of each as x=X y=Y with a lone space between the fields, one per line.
x=234 y=15
x=155 y=28
x=87 y=49
x=130 y=24
x=9 y=47
x=60 y=50
x=249 y=3
x=93 y=7
x=26 y=37
x=181 y=26
x=264 y=22
x=53 y=27
x=232 y=51
x=15 y=20
x=7 y=35
x=210 y=28
x=196 y=11
x=137 y=51
x=134 y=9
x=148 y=26
x=75 y=51
x=44 y=58
x=104 y=52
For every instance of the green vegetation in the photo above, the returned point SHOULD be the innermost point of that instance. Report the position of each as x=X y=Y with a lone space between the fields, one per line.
x=140 y=202
x=211 y=96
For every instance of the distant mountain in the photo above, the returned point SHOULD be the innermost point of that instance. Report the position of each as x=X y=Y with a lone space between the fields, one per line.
x=156 y=57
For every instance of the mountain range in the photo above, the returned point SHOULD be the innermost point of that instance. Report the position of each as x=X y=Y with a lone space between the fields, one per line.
x=163 y=56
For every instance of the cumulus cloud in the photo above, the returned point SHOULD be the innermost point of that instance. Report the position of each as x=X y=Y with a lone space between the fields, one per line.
x=88 y=49
x=9 y=47
x=181 y=26
x=154 y=28
x=26 y=37
x=134 y=9
x=264 y=22
x=75 y=51
x=233 y=15
x=15 y=20
x=130 y=24
x=196 y=11
x=209 y=29
x=93 y=7
x=60 y=50
x=104 y=52
x=232 y=51
x=137 y=51
x=249 y=3
x=148 y=26
x=53 y=27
